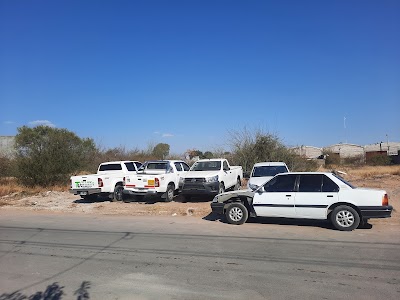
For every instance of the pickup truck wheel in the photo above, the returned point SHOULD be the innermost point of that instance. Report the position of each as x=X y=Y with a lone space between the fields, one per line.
x=118 y=193
x=236 y=214
x=345 y=218
x=221 y=188
x=169 y=194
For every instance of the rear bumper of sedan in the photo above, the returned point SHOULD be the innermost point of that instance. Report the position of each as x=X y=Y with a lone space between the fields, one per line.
x=369 y=212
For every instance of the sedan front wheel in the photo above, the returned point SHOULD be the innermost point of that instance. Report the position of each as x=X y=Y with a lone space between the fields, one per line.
x=236 y=213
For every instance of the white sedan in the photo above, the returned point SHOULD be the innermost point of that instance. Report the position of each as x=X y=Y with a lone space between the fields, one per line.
x=305 y=195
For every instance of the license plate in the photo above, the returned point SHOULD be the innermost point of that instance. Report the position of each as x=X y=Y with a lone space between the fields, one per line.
x=82 y=193
x=150 y=182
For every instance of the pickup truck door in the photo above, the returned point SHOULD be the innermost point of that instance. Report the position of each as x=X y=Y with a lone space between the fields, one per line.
x=230 y=176
x=181 y=168
x=277 y=197
x=316 y=193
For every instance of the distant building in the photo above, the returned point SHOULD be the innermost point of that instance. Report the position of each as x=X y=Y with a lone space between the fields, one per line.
x=308 y=151
x=382 y=149
x=7 y=146
x=346 y=150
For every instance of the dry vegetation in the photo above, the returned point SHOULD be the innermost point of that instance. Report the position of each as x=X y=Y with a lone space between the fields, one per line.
x=9 y=186
x=367 y=171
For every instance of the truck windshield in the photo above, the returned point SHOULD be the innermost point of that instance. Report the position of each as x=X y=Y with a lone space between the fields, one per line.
x=264 y=171
x=206 y=166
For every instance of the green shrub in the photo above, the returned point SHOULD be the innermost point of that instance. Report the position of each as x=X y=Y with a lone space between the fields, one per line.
x=47 y=156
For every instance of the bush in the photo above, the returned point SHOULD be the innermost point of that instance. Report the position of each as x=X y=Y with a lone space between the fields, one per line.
x=47 y=156
x=380 y=160
x=249 y=148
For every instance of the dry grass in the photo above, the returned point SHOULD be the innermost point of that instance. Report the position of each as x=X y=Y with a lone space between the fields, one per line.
x=10 y=186
x=368 y=171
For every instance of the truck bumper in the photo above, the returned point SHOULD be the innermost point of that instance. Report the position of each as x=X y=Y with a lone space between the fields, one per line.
x=85 y=192
x=369 y=212
x=198 y=188
x=217 y=208
x=140 y=192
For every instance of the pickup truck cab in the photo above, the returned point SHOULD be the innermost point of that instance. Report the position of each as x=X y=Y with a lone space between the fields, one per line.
x=159 y=178
x=264 y=171
x=107 y=182
x=305 y=195
x=210 y=177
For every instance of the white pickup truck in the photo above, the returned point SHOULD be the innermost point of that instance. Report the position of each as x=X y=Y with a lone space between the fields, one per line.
x=305 y=195
x=108 y=181
x=210 y=177
x=159 y=178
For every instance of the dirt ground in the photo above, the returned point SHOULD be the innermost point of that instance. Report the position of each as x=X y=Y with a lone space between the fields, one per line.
x=60 y=202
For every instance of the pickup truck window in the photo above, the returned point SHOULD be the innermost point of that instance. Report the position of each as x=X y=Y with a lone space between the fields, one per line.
x=310 y=183
x=226 y=167
x=281 y=184
x=264 y=171
x=138 y=165
x=110 y=167
x=178 y=166
x=130 y=166
x=185 y=167
x=207 y=166
x=157 y=166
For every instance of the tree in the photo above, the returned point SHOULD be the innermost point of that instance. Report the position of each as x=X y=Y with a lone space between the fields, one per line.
x=161 y=150
x=250 y=147
x=47 y=156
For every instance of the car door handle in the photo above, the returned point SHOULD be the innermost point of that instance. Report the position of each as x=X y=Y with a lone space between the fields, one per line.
x=330 y=196
x=288 y=195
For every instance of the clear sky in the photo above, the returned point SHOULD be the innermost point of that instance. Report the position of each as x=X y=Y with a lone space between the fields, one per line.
x=188 y=72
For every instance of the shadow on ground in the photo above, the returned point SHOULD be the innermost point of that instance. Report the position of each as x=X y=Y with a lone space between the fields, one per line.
x=283 y=221
x=52 y=292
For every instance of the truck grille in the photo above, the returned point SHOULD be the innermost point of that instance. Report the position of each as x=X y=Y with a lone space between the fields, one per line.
x=195 y=180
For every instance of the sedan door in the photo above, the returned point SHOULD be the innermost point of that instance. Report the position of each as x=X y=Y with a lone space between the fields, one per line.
x=277 y=197
x=316 y=193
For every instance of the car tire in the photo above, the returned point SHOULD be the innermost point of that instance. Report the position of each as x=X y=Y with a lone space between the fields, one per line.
x=236 y=213
x=118 y=193
x=169 y=194
x=345 y=218
x=221 y=188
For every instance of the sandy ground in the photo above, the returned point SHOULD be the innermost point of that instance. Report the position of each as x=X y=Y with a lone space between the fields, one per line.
x=60 y=202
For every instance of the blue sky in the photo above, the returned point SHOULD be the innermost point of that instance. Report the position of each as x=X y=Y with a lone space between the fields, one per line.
x=186 y=73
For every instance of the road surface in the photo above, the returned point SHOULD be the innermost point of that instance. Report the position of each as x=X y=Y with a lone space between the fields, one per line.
x=71 y=256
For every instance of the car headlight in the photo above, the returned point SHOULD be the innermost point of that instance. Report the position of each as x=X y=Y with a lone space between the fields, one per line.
x=215 y=199
x=253 y=186
x=212 y=179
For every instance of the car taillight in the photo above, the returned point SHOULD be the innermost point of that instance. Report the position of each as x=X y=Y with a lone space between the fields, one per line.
x=156 y=182
x=70 y=181
x=100 y=182
x=385 y=200
x=123 y=181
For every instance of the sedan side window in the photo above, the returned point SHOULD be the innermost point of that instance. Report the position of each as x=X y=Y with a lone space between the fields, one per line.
x=281 y=184
x=328 y=185
x=310 y=183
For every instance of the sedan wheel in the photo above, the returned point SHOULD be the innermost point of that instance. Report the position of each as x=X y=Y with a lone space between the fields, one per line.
x=345 y=218
x=236 y=213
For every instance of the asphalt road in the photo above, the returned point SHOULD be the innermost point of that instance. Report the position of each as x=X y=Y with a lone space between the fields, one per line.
x=60 y=256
